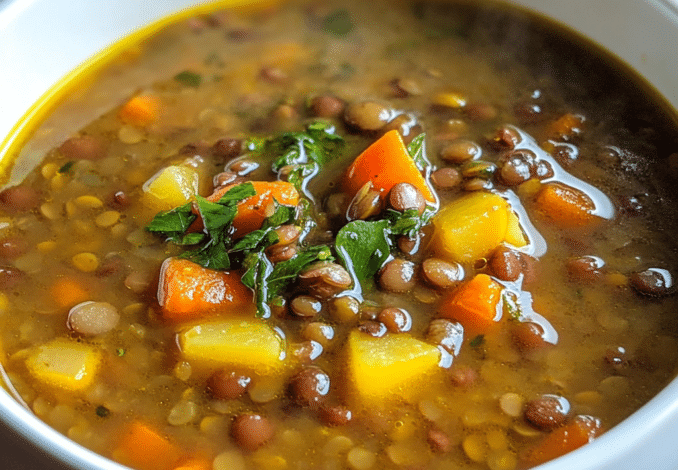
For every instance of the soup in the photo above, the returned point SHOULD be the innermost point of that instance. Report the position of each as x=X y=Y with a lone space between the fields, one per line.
x=341 y=235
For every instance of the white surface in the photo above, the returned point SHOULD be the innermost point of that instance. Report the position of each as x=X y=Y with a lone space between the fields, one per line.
x=37 y=48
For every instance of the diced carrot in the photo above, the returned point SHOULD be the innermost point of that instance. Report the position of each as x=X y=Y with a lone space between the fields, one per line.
x=197 y=463
x=141 y=110
x=565 y=206
x=144 y=448
x=253 y=211
x=581 y=430
x=385 y=163
x=68 y=292
x=187 y=291
x=473 y=304
x=566 y=126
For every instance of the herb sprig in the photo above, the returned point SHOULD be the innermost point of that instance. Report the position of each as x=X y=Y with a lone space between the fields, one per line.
x=367 y=245
x=301 y=154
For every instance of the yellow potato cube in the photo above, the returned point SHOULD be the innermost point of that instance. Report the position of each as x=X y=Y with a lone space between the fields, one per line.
x=171 y=187
x=395 y=367
x=65 y=364
x=514 y=232
x=471 y=227
x=248 y=345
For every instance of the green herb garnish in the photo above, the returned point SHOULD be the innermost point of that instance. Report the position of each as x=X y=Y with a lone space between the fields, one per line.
x=215 y=241
x=300 y=155
x=338 y=22
x=511 y=305
x=417 y=150
x=364 y=246
x=66 y=167
x=102 y=411
x=477 y=341
x=269 y=281
x=189 y=78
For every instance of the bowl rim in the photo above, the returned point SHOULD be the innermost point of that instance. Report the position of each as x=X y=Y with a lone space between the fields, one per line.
x=648 y=435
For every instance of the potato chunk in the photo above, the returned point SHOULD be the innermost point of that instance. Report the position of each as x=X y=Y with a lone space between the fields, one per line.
x=171 y=187
x=471 y=227
x=247 y=345
x=65 y=364
x=395 y=367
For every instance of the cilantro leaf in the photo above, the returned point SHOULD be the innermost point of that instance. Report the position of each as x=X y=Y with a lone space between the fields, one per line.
x=364 y=246
x=269 y=281
x=338 y=22
x=286 y=271
x=302 y=154
x=66 y=167
x=237 y=193
x=173 y=224
x=189 y=78
x=216 y=216
x=417 y=150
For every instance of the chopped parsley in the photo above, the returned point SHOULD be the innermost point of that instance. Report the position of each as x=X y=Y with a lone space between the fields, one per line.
x=338 y=22
x=102 y=411
x=188 y=78
x=300 y=155
x=66 y=167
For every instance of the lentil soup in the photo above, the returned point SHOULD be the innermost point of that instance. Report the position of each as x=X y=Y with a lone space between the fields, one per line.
x=344 y=235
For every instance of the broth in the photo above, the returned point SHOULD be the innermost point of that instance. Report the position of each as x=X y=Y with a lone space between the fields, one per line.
x=538 y=176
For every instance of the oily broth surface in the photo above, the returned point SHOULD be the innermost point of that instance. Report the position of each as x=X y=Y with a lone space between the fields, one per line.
x=470 y=51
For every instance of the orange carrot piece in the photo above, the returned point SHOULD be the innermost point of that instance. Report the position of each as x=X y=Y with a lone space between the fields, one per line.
x=253 y=210
x=144 y=448
x=385 y=163
x=473 y=304
x=566 y=126
x=141 y=110
x=581 y=430
x=195 y=464
x=187 y=291
x=68 y=292
x=565 y=206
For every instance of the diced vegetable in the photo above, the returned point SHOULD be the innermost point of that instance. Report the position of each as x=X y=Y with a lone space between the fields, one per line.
x=65 y=364
x=566 y=126
x=392 y=368
x=514 y=232
x=581 y=430
x=473 y=304
x=247 y=345
x=188 y=291
x=565 y=206
x=143 y=447
x=471 y=227
x=253 y=211
x=141 y=110
x=385 y=163
x=68 y=292
x=195 y=464
x=171 y=187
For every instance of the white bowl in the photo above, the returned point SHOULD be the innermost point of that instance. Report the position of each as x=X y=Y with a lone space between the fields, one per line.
x=37 y=50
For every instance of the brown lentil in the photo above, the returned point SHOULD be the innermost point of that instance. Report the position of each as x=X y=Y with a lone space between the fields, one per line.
x=252 y=431
x=461 y=151
x=366 y=116
x=446 y=178
x=547 y=412
x=441 y=274
x=397 y=276
x=305 y=306
x=395 y=319
x=327 y=106
x=654 y=282
x=227 y=385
